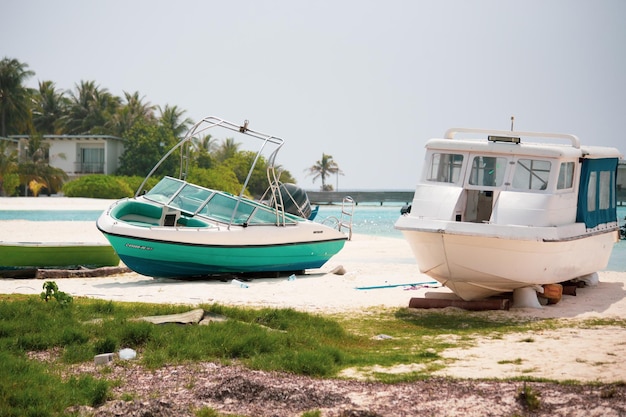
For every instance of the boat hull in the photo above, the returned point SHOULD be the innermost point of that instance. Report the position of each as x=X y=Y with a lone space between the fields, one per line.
x=168 y=259
x=33 y=255
x=481 y=265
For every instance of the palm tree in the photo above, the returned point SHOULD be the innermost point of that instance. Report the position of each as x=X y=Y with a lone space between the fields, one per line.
x=91 y=107
x=130 y=113
x=323 y=169
x=171 y=117
x=227 y=149
x=49 y=107
x=36 y=172
x=15 y=114
x=8 y=169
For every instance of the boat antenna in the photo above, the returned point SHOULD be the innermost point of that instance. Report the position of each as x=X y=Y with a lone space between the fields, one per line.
x=512 y=121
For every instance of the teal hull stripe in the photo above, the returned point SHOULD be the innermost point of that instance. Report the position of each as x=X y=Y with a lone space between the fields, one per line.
x=172 y=259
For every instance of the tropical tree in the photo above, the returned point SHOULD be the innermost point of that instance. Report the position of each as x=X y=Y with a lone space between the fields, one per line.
x=128 y=114
x=91 y=107
x=323 y=169
x=227 y=149
x=202 y=150
x=35 y=170
x=9 y=179
x=146 y=144
x=49 y=107
x=218 y=178
x=172 y=117
x=15 y=116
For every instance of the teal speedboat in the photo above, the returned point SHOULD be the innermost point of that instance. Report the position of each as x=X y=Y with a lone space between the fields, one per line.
x=181 y=230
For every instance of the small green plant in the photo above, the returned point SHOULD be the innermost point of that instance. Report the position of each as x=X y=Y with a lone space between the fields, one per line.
x=528 y=398
x=206 y=412
x=51 y=290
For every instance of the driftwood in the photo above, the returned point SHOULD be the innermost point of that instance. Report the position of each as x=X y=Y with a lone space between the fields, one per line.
x=197 y=316
x=190 y=317
x=63 y=273
x=478 y=305
x=81 y=273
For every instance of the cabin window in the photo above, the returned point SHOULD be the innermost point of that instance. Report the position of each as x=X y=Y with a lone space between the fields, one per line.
x=531 y=174
x=566 y=176
x=488 y=171
x=605 y=189
x=445 y=167
x=591 y=191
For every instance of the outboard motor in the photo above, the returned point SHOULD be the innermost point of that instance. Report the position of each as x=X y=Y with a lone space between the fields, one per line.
x=295 y=200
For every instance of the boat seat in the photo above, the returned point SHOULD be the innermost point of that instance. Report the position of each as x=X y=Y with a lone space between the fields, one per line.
x=169 y=217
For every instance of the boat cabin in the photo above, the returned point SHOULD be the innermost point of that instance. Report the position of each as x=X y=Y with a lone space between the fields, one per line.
x=504 y=179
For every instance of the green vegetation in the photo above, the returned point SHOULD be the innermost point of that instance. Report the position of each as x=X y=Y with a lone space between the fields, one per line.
x=98 y=186
x=529 y=398
x=88 y=109
x=51 y=290
x=264 y=339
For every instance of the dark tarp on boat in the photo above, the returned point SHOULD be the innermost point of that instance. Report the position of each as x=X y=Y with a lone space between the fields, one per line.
x=596 y=197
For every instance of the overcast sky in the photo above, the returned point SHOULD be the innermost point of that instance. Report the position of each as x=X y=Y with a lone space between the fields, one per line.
x=367 y=82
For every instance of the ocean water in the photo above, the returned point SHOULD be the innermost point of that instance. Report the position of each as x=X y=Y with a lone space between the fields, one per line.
x=366 y=219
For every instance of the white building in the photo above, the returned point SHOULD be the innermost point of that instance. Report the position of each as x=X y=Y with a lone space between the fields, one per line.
x=77 y=155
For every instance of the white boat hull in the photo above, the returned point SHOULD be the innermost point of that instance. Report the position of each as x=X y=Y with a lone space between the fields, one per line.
x=476 y=265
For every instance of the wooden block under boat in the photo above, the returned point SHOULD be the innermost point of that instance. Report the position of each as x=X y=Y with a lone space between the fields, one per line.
x=552 y=292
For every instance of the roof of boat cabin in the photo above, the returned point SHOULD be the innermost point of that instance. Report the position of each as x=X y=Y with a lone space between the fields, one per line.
x=546 y=150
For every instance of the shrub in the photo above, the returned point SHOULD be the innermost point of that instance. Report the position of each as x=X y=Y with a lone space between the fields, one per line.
x=134 y=182
x=97 y=186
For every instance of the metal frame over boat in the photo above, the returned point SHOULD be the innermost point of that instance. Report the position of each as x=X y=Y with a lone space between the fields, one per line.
x=497 y=211
x=182 y=230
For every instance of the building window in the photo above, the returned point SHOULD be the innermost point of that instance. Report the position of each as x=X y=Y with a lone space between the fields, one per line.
x=90 y=160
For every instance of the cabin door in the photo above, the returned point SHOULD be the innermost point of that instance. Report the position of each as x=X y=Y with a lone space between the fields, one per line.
x=478 y=206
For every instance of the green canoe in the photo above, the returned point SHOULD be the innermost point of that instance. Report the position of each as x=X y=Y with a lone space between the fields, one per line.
x=66 y=255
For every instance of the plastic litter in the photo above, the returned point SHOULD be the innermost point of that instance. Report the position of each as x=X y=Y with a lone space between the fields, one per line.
x=103 y=358
x=127 y=353
x=238 y=283
x=291 y=277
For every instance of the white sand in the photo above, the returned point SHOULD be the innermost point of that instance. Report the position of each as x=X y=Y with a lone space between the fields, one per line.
x=573 y=351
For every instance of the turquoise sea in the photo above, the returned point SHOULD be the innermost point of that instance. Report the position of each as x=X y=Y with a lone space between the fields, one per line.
x=367 y=219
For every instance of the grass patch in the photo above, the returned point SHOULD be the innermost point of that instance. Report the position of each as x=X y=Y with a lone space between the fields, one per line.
x=517 y=361
x=265 y=339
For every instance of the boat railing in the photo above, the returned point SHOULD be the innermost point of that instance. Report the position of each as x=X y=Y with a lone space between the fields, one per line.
x=344 y=221
x=451 y=133
x=277 y=197
x=212 y=122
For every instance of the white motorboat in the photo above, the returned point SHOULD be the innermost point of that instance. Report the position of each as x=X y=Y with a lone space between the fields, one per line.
x=496 y=211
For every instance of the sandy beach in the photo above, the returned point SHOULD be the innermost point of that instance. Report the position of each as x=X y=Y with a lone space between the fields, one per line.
x=572 y=352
